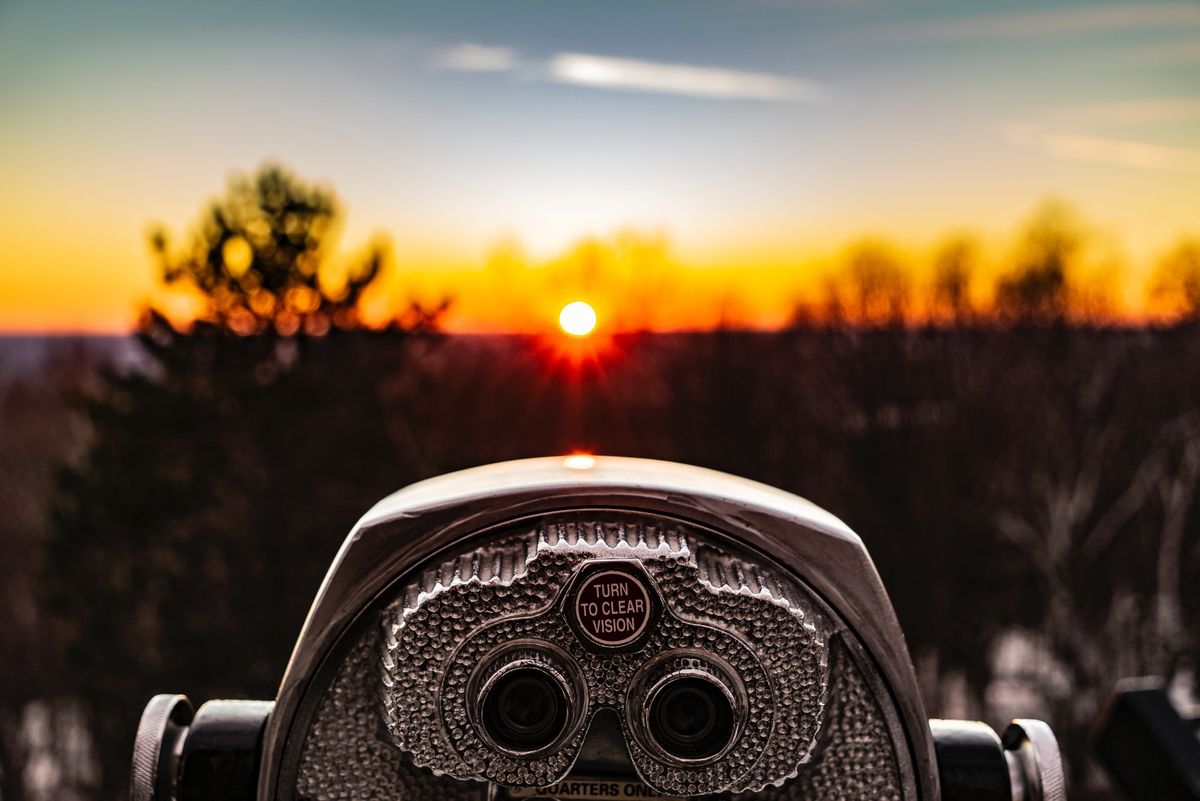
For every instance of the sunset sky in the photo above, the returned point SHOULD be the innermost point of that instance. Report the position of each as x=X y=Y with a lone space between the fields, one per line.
x=750 y=140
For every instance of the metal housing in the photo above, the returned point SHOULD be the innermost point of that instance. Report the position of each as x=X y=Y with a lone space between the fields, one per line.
x=413 y=526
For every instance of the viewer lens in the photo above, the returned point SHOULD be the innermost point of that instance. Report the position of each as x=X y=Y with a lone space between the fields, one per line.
x=525 y=710
x=691 y=718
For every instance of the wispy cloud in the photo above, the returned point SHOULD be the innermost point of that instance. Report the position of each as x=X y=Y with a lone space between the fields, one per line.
x=1103 y=150
x=471 y=57
x=636 y=75
x=604 y=72
x=1051 y=22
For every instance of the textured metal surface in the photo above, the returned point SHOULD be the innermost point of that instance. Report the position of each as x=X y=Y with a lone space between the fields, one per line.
x=431 y=649
x=795 y=744
x=1034 y=748
x=160 y=727
x=857 y=759
x=427 y=523
x=347 y=756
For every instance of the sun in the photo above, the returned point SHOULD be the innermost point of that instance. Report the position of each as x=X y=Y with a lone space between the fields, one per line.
x=577 y=318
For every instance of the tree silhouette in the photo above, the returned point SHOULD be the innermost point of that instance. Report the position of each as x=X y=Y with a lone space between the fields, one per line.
x=41 y=429
x=1037 y=290
x=190 y=538
x=872 y=288
x=260 y=258
x=1176 y=282
x=953 y=268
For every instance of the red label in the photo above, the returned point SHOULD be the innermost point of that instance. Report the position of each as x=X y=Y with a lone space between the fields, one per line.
x=612 y=608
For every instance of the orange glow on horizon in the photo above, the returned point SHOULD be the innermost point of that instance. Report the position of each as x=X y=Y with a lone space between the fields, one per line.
x=683 y=299
x=633 y=278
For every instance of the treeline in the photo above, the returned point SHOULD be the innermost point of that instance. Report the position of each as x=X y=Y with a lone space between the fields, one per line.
x=1053 y=274
x=264 y=255
x=1054 y=269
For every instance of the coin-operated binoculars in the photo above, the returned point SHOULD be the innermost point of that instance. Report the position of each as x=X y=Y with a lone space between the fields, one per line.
x=593 y=628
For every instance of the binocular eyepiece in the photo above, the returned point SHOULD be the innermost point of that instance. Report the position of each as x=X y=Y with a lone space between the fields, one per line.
x=593 y=628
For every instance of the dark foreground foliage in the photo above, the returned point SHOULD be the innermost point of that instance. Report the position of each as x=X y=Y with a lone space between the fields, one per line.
x=1038 y=480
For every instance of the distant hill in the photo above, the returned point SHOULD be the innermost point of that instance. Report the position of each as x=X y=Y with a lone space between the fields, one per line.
x=22 y=356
